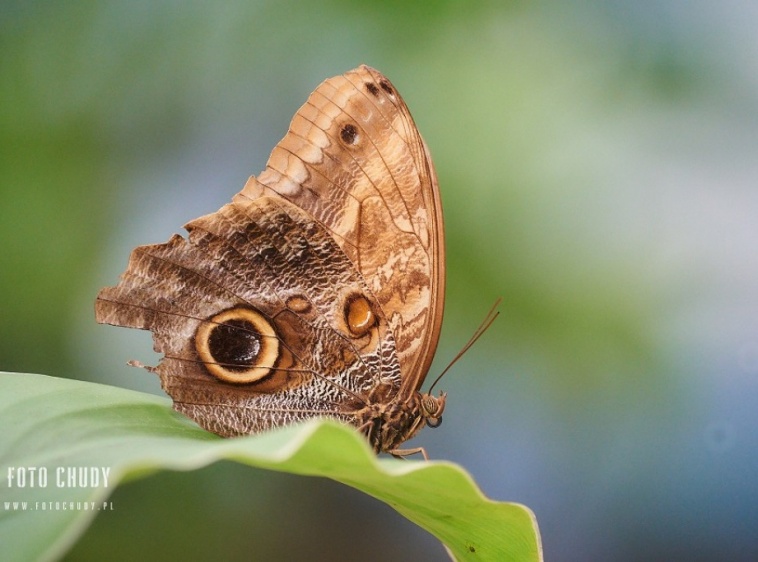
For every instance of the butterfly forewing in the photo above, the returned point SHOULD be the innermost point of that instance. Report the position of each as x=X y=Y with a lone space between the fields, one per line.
x=355 y=161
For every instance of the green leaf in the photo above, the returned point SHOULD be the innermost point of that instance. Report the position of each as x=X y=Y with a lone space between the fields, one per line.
x=52 y=424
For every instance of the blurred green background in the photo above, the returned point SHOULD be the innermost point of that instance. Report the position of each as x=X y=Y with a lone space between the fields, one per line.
x=598 y=165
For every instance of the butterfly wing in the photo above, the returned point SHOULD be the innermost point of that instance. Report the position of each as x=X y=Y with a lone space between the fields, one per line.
x=253 y=315
x=354 y=160
x=318 y=290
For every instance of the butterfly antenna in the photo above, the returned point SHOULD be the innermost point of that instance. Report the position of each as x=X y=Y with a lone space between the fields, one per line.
x=483 y=327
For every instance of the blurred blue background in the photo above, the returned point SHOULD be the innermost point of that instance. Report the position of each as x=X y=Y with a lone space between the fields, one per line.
x=598 y=164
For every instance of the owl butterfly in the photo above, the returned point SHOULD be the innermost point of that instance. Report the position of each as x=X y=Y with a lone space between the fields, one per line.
x=318 y=291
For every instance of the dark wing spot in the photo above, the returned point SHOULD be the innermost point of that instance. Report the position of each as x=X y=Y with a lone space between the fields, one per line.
x=235 y=344
x=349 y=134
x=386 y=87
x=372 y=88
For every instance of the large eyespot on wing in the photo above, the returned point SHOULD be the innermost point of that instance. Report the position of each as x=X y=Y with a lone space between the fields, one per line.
x=238 y=345
x=354 y=160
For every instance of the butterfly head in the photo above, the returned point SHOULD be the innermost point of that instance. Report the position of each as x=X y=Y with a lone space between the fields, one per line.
x=432 y=407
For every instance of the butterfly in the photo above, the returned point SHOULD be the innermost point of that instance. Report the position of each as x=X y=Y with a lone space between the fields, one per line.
x=318 y=291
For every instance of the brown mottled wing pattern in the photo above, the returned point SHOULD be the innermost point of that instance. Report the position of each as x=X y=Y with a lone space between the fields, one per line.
x=262 y=253
x=355 y=161
x=317 y=291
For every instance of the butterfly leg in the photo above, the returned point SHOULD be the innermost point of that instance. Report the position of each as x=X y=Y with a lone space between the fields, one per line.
x=405 y=453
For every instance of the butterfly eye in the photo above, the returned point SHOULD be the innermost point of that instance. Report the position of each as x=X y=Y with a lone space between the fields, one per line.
x=237 y=345
x=434 y=422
